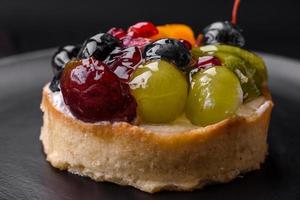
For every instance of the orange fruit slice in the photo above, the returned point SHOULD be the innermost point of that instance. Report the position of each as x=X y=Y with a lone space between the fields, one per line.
x=175 y=31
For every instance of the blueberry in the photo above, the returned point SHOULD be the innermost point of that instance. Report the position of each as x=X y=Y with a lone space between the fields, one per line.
x=99 y=46
x=55 y=83
x=169 y=49
x=63 y=55
x=224 y=33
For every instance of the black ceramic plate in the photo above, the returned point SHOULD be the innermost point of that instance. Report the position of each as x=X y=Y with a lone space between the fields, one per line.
x=24 y=173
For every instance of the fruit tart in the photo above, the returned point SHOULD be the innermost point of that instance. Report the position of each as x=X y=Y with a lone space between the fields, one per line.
x=157 y=109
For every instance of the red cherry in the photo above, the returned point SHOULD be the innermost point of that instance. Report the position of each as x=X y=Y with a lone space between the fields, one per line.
x=136 y=42
x=142 y=29
x=123 y=62
x=117 y=32
x=93 y=93
x=207 y=61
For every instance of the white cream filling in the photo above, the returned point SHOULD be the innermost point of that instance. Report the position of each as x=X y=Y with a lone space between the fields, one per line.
x=256 y=106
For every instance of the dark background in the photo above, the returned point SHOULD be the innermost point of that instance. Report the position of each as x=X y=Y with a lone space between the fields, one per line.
x=25 y=25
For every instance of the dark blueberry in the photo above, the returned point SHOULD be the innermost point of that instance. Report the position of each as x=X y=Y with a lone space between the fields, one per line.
x=62 y=56
x=224 y=33
x=55 y=83
x=186 y=43
x=99 y=46
x=169 y=49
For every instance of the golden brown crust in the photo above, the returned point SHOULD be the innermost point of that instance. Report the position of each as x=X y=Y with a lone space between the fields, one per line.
x=131 y=155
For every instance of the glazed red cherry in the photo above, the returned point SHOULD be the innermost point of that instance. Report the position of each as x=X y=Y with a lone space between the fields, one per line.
x=207 y=61
x=94 y=93
x=117 y=32
x=139 y=42
x=60 y=58
x=142 y=29
x=123 y=62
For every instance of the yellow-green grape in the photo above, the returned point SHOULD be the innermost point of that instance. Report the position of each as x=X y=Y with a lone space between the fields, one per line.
x=244 y=73
x=254 y=63
x=215 y=94
x=160 y=90
x=250 y=57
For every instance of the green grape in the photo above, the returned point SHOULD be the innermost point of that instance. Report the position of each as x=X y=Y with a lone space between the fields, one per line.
x=244 y=73
x=250 y=57
x=197 y=52
x=160 y=90
x=255 y=64
x=215 y=94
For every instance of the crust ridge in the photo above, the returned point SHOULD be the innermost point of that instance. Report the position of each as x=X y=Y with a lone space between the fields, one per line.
x=131 y=155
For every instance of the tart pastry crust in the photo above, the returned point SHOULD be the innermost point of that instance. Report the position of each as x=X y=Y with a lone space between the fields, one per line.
x=151 y=160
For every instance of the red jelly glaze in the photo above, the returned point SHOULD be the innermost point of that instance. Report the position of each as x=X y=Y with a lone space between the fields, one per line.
x=117 y=32
x=136 y=42
x=207 y=61
x=94 y=93
x=142 y=29
x=123 y=62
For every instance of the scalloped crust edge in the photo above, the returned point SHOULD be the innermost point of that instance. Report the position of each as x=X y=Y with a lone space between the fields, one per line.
x=151 y=161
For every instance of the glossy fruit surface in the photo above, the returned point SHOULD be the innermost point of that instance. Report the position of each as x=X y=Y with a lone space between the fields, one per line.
x=205 y=62
x=244 y=73
x=117 y=32
x=215 y=94
x=176 y=31
x=223 y=33
x=186 y=44
x=55 y=82
x=99 y=46
x=139 y=42
x=142 y=29
x=160 y=90
x=94 y=93
x=202 y=63
x=255 y=64
x=124 y=61
x=62 y=56
x=169 y=49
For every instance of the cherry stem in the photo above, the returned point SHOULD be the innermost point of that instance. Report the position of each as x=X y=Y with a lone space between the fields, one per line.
x=234 y=11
